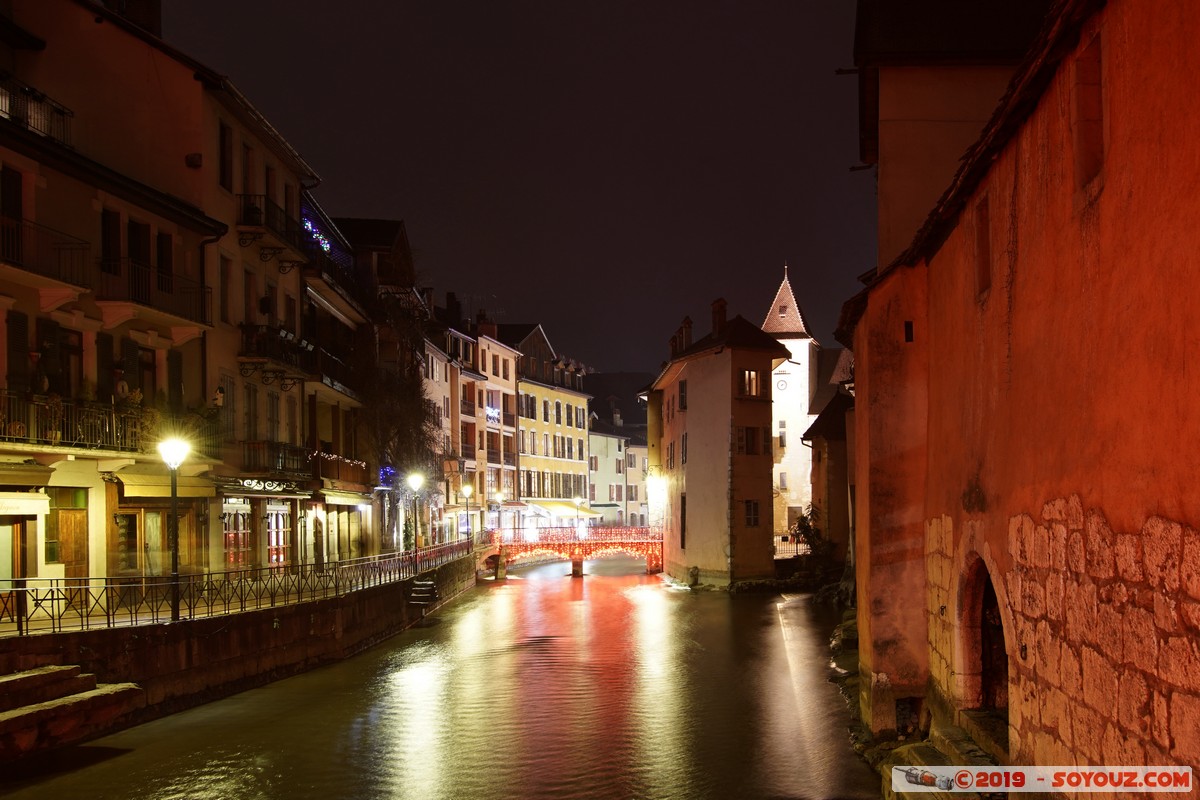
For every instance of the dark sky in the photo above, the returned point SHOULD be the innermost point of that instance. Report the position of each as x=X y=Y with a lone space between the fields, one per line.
x=604 y=168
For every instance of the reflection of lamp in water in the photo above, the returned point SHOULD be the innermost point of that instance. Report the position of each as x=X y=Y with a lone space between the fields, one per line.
x=173 y=452
x=415 y=481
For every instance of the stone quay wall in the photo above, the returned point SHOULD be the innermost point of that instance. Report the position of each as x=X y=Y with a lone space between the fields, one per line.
x=1101 y=627
x=184 y=664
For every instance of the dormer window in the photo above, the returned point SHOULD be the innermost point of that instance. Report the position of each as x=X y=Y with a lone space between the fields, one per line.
x=783 y=310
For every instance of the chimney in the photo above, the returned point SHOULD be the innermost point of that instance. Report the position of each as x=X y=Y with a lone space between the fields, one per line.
x=687 y=332
x=675 y=344
x=718 y=316
x=146 y=14
x=483 y=325
x=453 y=309
x=426 y=293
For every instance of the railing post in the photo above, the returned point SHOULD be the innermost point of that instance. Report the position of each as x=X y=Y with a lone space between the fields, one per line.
x=22 y=606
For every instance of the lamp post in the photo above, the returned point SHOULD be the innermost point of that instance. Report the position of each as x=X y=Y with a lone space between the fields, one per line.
x=466 y=492
x=173 y=452
x=415 y=481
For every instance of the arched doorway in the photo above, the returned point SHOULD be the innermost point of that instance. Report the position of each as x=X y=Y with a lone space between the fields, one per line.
x=983 y=656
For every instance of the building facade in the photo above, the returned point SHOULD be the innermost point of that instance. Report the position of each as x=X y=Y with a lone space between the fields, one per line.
x=709 y=437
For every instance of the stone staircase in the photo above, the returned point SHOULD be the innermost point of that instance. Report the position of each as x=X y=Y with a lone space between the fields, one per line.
x=947 y=745
x=424 y=594
x=50 y=706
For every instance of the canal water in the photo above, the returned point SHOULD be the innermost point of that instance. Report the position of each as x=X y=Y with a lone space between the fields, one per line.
x=616 y=685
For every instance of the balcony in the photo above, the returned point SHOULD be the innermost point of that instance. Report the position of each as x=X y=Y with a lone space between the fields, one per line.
x=275 y=352
x=467 y=407
x=28 y=108
x=337 y=468
x=510 y=459
x=493 y=457
x=127 y=280
x=47 y=420
x=262 y=219
x=510 y=420
x=277 y=458
x=45 y=252
x=330 y=370
x=333 y=275
x=468 y=451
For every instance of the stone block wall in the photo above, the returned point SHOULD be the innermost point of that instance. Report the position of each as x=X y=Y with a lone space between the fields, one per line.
x=1102 y=629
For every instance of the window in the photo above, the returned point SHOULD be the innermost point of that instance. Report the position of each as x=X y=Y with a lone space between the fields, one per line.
x=247 y=169
x=279 y=535
x=250 y=412
x=620 y=466
x=273 y=416
x=1089 y=113
x=236 y=525
x=633 y=493
x=228 y=408
x=783 y=480
x=225 y=287
x=683 y=395
x=225 y=157
x=249 y=297
x=291 y=421
x=495 y=364
x=683 y=521
x=751 y=385
x=591 y=493
x=747 y=441
x=612 y=492
x=504 y=367
x=594 y=463
x=557 y=413
x=782 y=433
x=165 y=246
x=620 y=493
x=110 y=241
x=570 y=416
x=545 y=411
x=983 y=248
x=683 y=449
x=751 y=513
x=671 y=455
x=631 y=461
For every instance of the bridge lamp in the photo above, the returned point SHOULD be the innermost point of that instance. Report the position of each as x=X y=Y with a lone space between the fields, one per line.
x=173 y=452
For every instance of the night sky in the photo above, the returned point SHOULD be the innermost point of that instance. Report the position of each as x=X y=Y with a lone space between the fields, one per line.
x=604 y=168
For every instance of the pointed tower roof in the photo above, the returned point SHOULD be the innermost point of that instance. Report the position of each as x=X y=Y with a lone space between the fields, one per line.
x=785 y=319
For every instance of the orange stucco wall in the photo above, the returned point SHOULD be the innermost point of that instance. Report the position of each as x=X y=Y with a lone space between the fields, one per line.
x=1061 y=427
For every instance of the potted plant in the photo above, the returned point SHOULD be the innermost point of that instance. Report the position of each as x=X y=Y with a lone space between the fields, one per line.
x=52 y=426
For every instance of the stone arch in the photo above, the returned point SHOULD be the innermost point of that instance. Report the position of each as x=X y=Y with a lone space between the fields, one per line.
x=984 y=633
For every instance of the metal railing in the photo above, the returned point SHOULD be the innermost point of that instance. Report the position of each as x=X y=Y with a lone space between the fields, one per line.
x=467 y=407
x=131 y=280
x=24 y=105
x=277 y=458
x=339 y=468
x=51 y=605
x=36 y=248
x=259 y=211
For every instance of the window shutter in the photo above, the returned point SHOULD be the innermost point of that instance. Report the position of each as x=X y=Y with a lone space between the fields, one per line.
x=175 y=380
x=104 y=366
x=129 y=363
x=18 y=351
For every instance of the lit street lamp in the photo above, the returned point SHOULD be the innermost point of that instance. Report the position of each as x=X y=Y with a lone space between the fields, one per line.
x=173 y=452
x=466 y=492
x=415 y=481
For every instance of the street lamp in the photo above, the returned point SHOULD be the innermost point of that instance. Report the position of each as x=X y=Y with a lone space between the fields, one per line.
x=415 y=481
x=173 y=452
x=466 y=492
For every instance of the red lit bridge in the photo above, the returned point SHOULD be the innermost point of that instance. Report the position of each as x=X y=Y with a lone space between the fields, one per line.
x=575 y=544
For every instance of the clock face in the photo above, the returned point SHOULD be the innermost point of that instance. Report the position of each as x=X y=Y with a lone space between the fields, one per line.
x=781 y=385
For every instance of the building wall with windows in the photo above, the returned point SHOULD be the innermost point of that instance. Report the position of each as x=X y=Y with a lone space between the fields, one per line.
x=607 y=468
x=710 y=409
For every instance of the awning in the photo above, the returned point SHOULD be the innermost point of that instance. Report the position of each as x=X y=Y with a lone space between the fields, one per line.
x=157 y=483
x=20 y=474
x=566 y=510
x=335 y=498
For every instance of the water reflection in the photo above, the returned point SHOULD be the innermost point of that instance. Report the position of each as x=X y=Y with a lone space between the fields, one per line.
x=613 y=686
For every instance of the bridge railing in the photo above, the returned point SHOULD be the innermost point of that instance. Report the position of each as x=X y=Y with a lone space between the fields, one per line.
x=571 y=534
x=40 y=605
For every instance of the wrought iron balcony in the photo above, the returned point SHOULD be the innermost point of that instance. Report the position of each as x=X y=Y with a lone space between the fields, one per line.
x=48 y=420
x=23 y=105
x=468 y=451
x=468 y=407
x=277 y=458
x=135 y=282
x=276 y=353
x=45 y=251
x=258 y=214
x=340 y=468
x=510 y=459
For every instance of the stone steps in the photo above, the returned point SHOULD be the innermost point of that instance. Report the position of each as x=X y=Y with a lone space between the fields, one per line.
x=42 y=684
x=51 y=706
x=424 y=593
